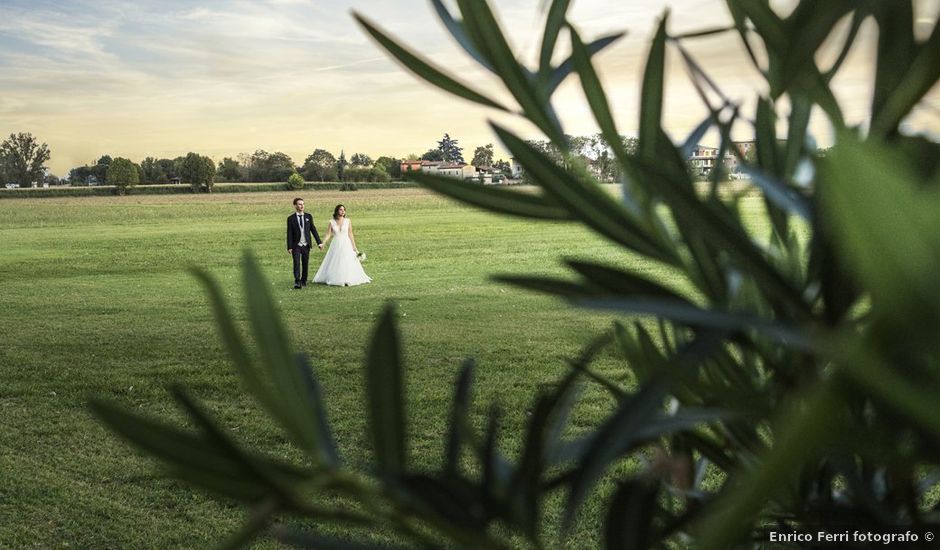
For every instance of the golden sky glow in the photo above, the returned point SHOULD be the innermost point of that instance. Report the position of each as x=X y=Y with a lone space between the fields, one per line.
x=156 y=78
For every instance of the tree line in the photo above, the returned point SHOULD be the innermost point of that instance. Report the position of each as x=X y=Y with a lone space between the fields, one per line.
x=23 y=161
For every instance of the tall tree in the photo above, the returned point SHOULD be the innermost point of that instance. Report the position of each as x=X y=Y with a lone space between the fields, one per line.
x=320 y=165
x=79 y=175
x=483 y=156
x=23 y=159
x=198 y=171
x=360 y=159
x=230 y=170
x=450 y=151
x=280 y=167
x=433 y=155
x=389 y=165
x=100 y=169
x=341 y=165
x=122 y=174
x=151 y=170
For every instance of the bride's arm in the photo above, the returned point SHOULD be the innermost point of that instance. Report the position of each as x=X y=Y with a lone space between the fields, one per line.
x=329 y=233
x=351 y=236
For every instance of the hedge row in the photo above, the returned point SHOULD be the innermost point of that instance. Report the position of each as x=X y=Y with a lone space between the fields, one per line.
x=108 y=190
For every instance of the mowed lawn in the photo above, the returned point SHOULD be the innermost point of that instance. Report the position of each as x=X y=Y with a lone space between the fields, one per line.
x=97 y=300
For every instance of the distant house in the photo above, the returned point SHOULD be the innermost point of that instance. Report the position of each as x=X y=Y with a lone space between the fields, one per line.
x=430 y=165
x=460 y=170
x=176 y=179
x=487 y=175
x=410 y=166
x=517 y=170
x=91 y=180
x=457 y=170
x=704 y=159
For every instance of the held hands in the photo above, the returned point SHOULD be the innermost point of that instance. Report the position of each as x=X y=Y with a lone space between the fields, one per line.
x=320 y=246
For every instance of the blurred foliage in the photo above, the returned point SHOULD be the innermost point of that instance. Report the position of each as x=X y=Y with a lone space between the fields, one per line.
x=798 y=372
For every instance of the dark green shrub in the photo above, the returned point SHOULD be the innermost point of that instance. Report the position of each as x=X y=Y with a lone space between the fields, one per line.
x=365 y=175
x=348 y=187
x=295 y=181
x=797 y=373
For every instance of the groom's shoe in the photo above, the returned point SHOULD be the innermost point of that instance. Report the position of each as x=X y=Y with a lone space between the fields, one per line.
x=303 y=283
x=297 y=286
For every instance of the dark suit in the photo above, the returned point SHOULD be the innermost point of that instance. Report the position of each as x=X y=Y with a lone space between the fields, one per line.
x=301 y=253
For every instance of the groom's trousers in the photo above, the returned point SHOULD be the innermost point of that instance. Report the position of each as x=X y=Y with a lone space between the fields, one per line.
x=301 y=263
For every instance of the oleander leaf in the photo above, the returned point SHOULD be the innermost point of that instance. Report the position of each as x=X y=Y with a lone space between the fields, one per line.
x=385 y=396
x=424 y=69
x=495 y=199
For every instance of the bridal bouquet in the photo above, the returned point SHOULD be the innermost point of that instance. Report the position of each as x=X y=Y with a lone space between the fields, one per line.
x=361 y=256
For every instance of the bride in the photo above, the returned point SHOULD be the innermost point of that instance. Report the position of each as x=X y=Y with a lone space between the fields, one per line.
x=341 y=266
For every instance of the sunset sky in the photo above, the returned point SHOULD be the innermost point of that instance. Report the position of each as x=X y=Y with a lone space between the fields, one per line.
x=149 y=78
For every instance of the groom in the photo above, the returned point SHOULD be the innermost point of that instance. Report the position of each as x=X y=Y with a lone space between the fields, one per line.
x=299 y=227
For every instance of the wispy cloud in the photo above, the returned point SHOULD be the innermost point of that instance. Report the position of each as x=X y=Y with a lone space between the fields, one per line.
x=162 y=77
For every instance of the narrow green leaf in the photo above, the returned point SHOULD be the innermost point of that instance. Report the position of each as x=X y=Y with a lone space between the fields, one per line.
x=495 y=199
x=806 y=427
x=809 y=25
x=721 y=229
x=739 y=17
x=276 y=353
x=584 y=199
x=920 y=78
x=226 y=445
x=385 y=395
x=800 y=109
x=703 y=33
x=692 y=141
x=765 y=131
x=257 y=521
x=594 y=91
x=619 y=282
x=857 y=19
x=496 y=469
x=660 y=425
x=423 y=69
x=460 y=34
x=313 y=541
x=688 y=314
x=557 y=287
x=326 y=444
x=892 y=251
x=896 y=48
x=630 y=416
x=179 y=448
x=914 y=399
x=451 y=499
x=651 y=93
x=488 y=37
x=242 y=489
x=562 y=71
x=458 y=417
x=524 y=484
x=553 y=24
x=630 y=517
x=238 y=353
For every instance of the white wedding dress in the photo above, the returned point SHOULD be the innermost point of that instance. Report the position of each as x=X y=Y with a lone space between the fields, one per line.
x=340 y=266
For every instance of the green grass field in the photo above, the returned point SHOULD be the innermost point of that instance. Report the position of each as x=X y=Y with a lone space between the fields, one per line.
x=97 y=301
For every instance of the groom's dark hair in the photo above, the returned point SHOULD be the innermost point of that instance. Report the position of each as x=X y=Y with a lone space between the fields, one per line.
x=297 y=199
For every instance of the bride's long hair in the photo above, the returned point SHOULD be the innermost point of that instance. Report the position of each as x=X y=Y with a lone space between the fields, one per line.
x=336 y=211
